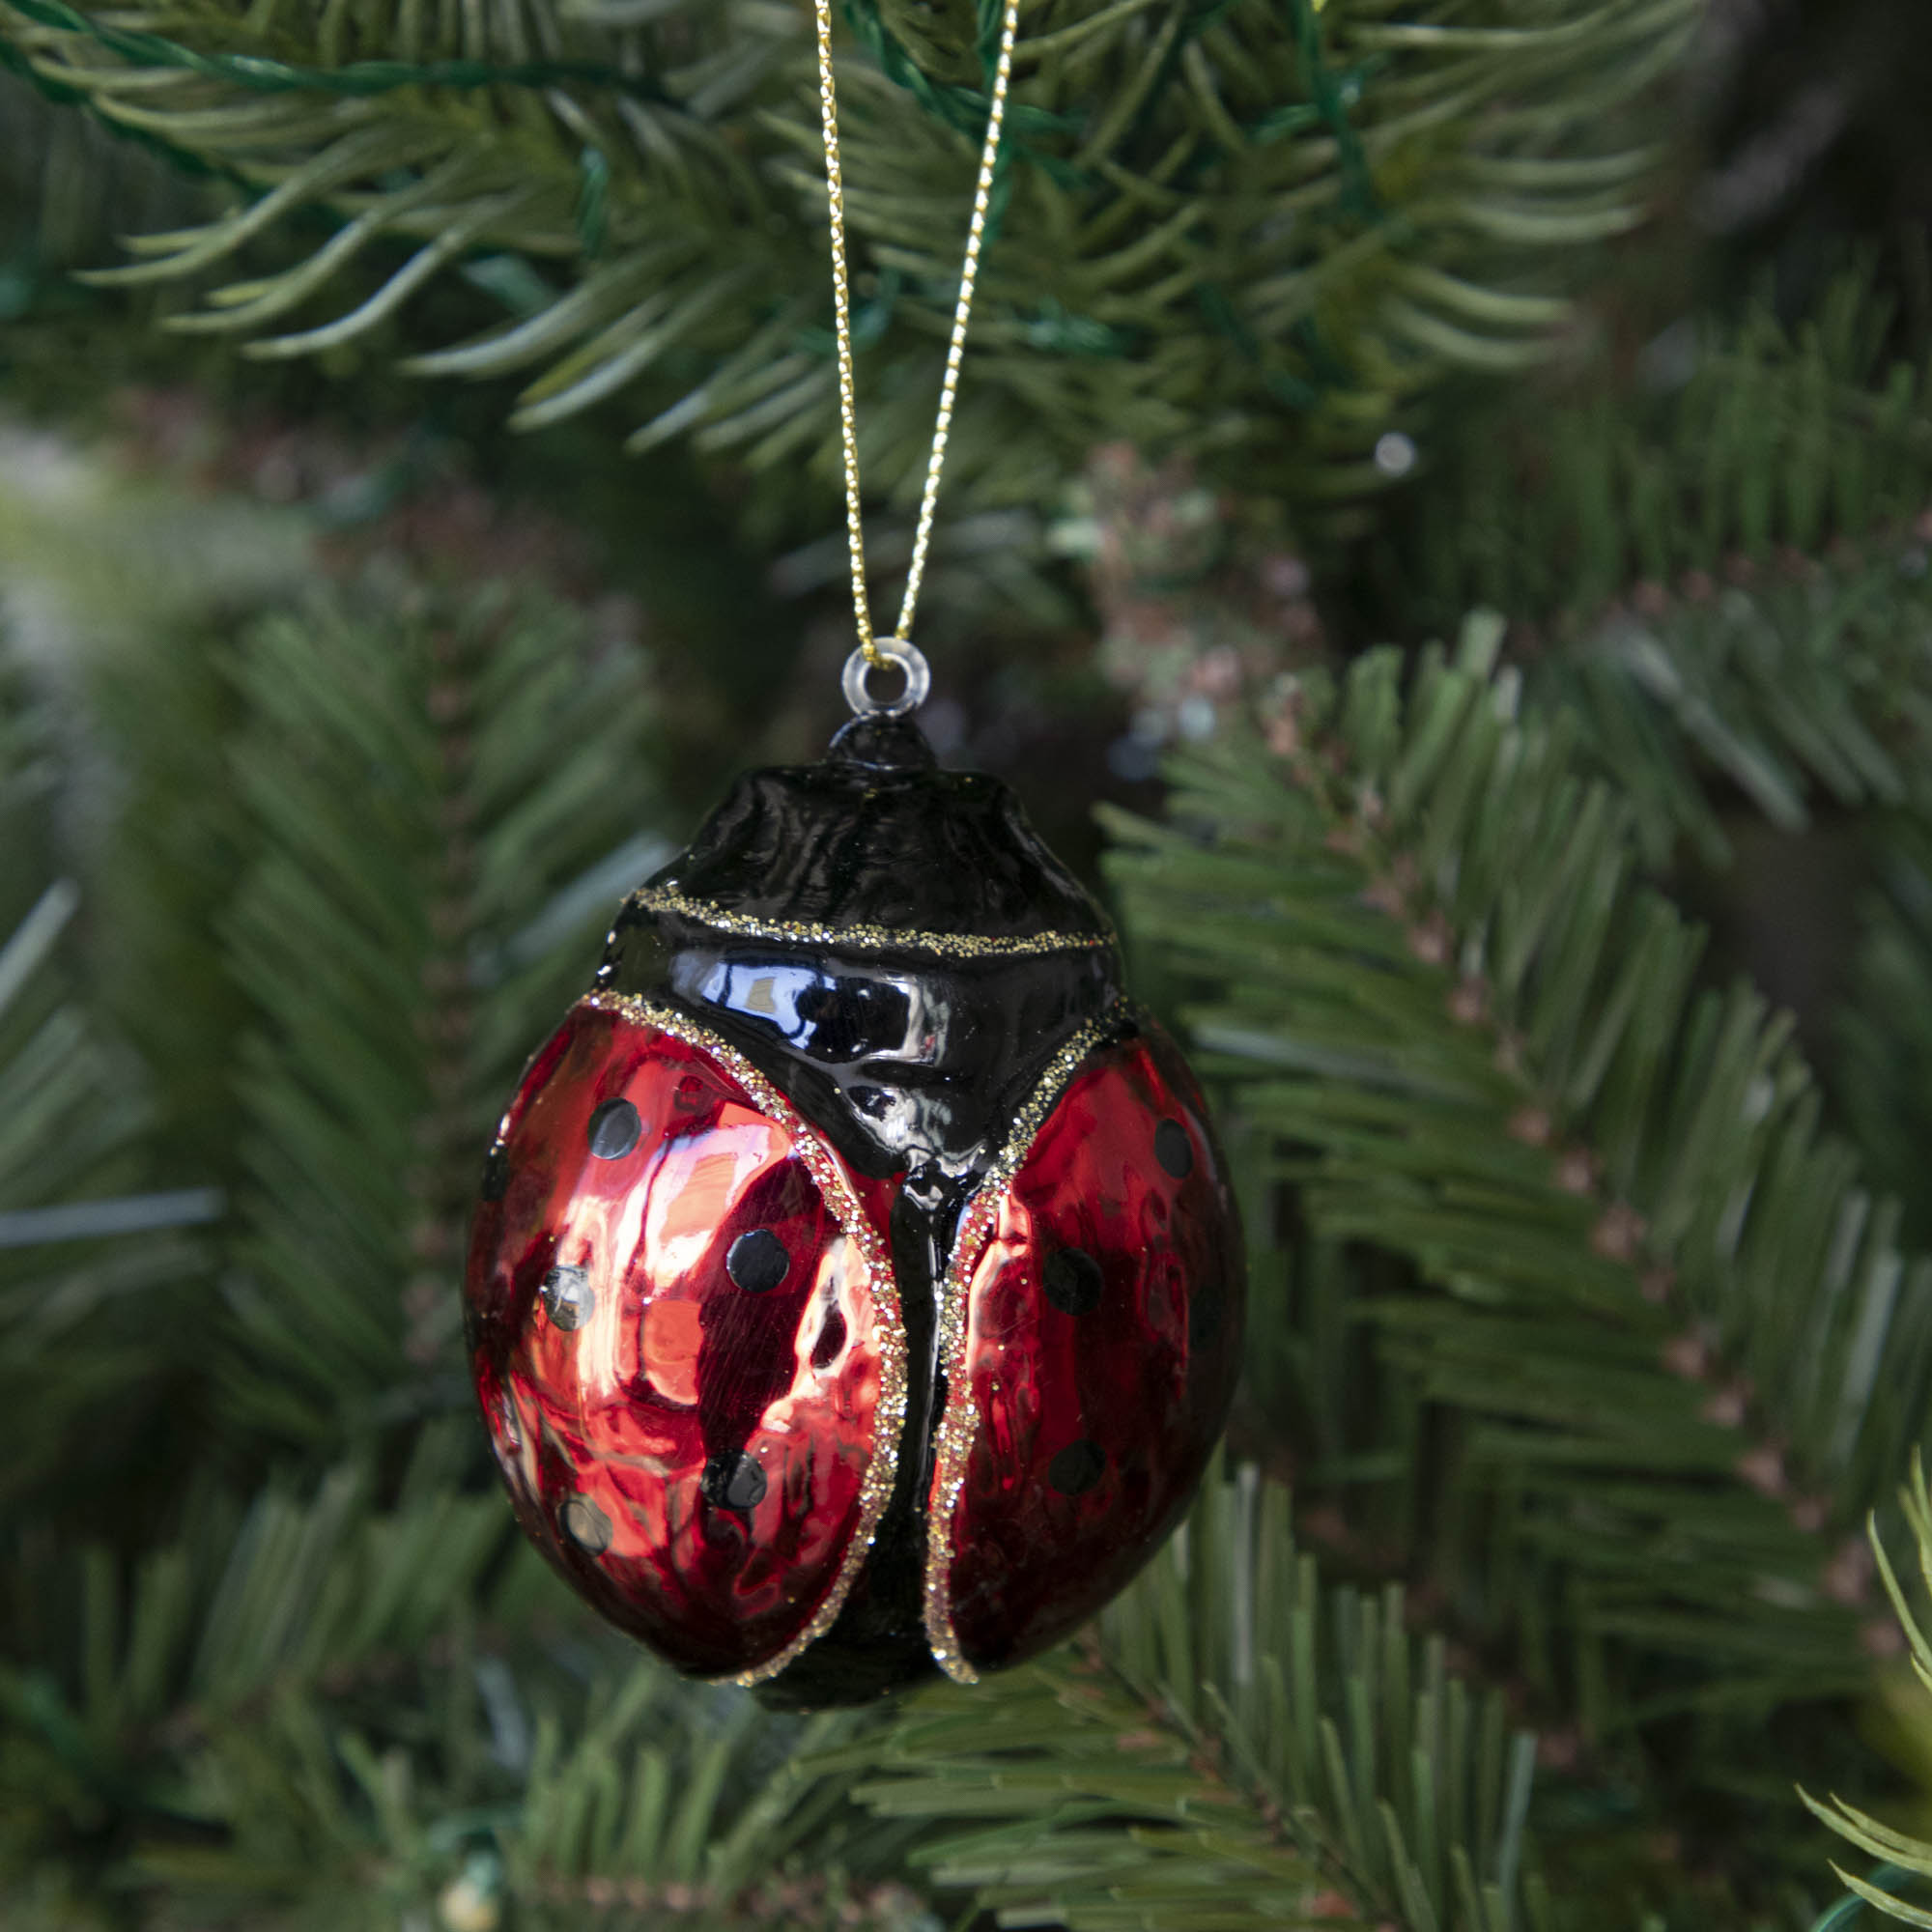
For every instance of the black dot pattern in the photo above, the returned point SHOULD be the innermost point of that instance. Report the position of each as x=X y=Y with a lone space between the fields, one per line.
x=1174 y=1150
x=1077 y=1468
x=587 y=1526
x=614 y=1128
x=758 y=1261
x=568 y=1297
x=496 y=1172
x=733 y=1481
x=1072 y=1281
x=1203 y=1316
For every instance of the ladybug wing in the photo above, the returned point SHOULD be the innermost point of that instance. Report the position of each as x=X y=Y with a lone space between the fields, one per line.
x=1094 y=1319
x=686 y=1340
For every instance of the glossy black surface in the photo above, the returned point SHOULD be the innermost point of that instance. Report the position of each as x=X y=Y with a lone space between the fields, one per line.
x=877 y=835
x=914 y=1065
x=910 y=1062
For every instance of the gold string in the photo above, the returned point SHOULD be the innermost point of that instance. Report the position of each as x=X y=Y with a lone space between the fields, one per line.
x=842 y=304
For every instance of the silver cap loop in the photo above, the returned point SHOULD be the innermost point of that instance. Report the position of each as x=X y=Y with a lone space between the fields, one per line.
x=910 y=661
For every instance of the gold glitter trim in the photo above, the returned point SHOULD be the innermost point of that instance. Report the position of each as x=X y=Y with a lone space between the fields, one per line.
x=889 y=1419
x=960 y=1423
x=868 y=938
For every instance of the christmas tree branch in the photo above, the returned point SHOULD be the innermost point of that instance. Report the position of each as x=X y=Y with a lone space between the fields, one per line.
x=1234 y=1748
x=659 y=184
x=322 y=1696
x=1905 y=1857
x=415 y=793
x=90 y=1250
x=1807 y=687
x=1660 y=1301
x=1885 y=1028
x=1760 y=532
x=1738 y=454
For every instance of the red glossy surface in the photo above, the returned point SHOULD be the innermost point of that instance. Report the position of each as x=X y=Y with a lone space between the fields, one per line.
x=605 y=1430
x=1125 y=1377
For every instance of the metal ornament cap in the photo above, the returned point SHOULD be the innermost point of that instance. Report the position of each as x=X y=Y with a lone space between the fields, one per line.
x=910 y=661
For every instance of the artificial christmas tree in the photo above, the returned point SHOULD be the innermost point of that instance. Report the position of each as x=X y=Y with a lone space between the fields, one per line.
x=1587 y=1311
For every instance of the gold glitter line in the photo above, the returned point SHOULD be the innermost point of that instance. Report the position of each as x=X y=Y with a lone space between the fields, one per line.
x=890 y=1416
x=868 y=938
x=959 y=1425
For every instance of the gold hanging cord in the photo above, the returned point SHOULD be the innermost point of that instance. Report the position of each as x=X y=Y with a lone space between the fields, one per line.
x=962 y=311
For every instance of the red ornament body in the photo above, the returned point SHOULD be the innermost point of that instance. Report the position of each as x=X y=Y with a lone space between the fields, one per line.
x=857 y=1286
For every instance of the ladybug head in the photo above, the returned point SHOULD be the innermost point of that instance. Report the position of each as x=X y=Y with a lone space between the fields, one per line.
x=876 y=844
x=892 y=943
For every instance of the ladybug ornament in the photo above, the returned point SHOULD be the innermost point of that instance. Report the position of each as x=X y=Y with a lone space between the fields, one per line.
x=856 y=1288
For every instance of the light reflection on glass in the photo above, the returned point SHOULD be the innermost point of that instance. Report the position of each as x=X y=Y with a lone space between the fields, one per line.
x=596 y=1228
x=833 y=1017
x=694 y=1184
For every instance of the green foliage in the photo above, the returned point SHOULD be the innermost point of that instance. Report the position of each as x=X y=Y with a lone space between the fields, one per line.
x=1738 y=446
x=1807 y=695
x=418 y=792
x=64 y=181
x=60 y=1122
x=87 y=1341
x=1886 y=1028
x=1221 y=223
x=1238 y=1748
x=319 y=1711
x=1905 y=1855
x=1651 y=1301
